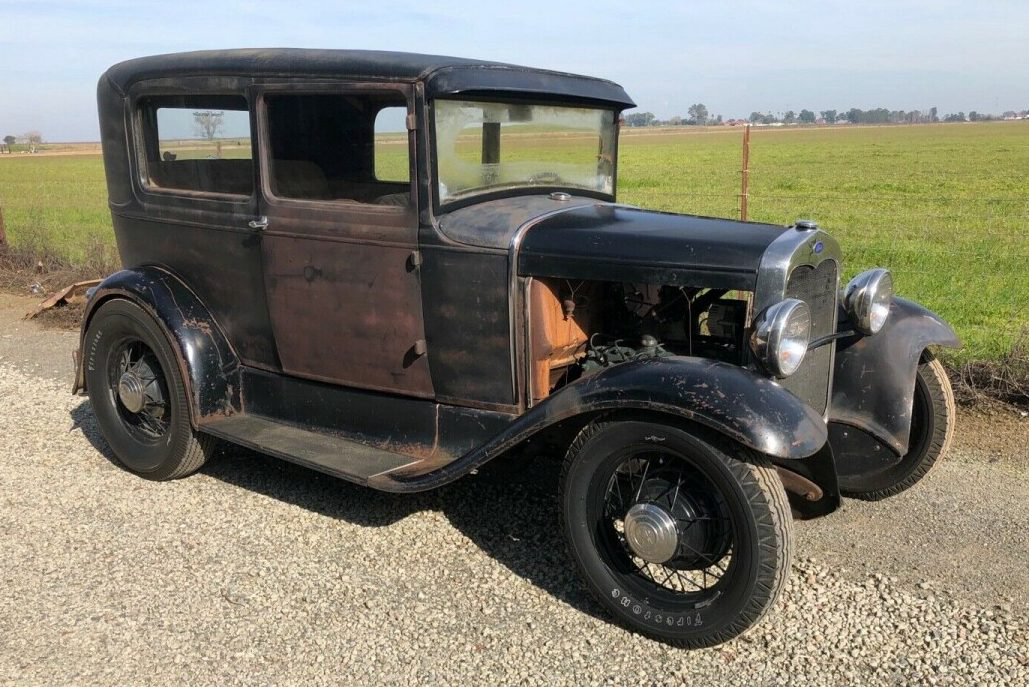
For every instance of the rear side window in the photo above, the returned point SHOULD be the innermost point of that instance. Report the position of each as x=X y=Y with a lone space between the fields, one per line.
x=198 y=143
x=340 y=147
x=391 y=152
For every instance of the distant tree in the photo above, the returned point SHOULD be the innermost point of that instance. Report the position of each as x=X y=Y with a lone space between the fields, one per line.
x=974 y=116
x=854 y=115
x=933 y=117
x=769 y=119
x=698 y=114
x=1009 y=114
x=841 y=117
x=207 y=123
x=959 y=117
x=33 y=137
x=790 y=117
x=756 y=117
x=675 y=120
x=806 y=117
x=639 y=119
x=10 y=140
x=718 y=120
x=829 y=116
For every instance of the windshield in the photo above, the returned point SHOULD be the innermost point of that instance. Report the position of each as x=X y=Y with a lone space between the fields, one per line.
x=489 y=146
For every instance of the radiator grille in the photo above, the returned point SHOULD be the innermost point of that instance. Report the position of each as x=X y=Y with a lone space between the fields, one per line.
x=817 y=287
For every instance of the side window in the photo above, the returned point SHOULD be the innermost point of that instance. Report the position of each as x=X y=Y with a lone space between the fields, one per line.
x=198 y=143
x=324 y=147
x=392 y=156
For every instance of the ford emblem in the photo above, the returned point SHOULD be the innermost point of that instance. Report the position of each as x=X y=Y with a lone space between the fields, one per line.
x=818 y=246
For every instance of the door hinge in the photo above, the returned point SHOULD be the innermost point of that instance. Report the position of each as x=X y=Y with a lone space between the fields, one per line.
x=420 y=347
x=412 y=122
x=415 y=259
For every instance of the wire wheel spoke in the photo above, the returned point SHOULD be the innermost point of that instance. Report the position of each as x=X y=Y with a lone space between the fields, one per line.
x=668 y=488
x=137 y=366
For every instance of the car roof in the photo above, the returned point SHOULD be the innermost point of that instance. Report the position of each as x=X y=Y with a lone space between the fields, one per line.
x=442 y=76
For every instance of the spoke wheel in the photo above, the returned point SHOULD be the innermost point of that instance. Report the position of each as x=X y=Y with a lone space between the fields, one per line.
x=665 y=527
x=138 y=395
x=681 y=534
x=139 y=390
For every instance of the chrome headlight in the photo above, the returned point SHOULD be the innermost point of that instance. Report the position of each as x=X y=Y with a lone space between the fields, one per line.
x=781 y=335
x=867 y=299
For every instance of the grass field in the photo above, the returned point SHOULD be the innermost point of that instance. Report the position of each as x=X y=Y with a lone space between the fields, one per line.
x=946 y=207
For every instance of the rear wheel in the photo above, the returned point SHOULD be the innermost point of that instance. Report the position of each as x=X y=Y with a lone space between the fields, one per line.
x=682 y=535
x=932 y=429
x=138 y=395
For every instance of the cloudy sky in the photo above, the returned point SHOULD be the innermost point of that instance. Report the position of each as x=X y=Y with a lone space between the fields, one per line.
x=735 y=57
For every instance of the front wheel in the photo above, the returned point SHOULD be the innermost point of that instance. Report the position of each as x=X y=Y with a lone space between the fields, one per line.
x=932 y=429
x=684 y=536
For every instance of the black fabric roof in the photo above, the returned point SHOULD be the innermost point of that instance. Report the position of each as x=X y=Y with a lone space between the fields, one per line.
x=442 y=75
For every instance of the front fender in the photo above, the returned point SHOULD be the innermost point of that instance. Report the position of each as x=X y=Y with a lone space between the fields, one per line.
x=209 y=366
x=729 y=399
x=874 y=376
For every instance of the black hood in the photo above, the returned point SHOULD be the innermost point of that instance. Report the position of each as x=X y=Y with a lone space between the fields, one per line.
x=618 y=243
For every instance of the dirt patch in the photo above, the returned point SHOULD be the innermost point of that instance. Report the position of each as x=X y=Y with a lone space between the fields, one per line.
x=38 y=274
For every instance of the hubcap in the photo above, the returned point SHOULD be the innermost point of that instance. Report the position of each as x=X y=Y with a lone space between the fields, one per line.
x=651 y=533
x=132 y=392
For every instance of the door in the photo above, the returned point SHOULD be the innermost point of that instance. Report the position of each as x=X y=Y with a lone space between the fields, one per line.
x=340 y=243
x=196 y=191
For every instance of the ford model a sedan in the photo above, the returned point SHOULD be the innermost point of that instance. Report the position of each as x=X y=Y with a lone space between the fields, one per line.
x=397 y=309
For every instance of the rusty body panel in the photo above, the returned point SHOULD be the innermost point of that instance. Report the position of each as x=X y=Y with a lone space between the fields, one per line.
x=557 y=336
x=218 y=257
x=348 y=313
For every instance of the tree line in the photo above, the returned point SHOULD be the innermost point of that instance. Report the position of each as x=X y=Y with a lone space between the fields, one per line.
x=697 y=115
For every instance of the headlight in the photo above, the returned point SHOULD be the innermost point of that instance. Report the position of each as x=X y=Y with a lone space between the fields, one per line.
x=781 y=336
x=867 y=299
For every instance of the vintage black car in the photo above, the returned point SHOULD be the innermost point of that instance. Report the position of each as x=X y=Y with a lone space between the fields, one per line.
x=398 y=309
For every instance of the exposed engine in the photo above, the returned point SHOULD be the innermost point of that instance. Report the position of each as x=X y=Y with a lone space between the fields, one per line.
x=582 y=327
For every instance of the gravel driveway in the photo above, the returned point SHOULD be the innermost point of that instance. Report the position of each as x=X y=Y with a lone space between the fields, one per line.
x=258 y=571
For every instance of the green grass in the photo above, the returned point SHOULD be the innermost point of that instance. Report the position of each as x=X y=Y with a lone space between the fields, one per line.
x=56 y=204
x=946 y=207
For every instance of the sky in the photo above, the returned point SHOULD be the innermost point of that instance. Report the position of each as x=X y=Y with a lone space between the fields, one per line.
x=735 y=57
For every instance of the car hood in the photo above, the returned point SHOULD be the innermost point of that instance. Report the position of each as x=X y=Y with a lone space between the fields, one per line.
x=588 y=239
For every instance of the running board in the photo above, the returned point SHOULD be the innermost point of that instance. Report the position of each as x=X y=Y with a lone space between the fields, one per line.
x=328 y=453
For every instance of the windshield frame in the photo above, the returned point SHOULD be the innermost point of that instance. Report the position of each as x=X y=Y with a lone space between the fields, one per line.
x=511 y=191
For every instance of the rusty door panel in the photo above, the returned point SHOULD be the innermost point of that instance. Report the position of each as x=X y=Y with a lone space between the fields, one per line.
x=347 y=312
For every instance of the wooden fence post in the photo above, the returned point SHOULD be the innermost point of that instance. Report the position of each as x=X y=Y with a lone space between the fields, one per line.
x=745 y=174
x=3 y=231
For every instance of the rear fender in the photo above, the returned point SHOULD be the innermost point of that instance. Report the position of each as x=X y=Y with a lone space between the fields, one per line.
x=209 y=366
x=874 y=376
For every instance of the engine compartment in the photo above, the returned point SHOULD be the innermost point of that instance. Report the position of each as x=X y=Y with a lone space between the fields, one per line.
x=578 y=327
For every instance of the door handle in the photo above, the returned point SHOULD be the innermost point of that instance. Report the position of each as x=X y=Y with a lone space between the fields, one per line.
x=259 y=224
